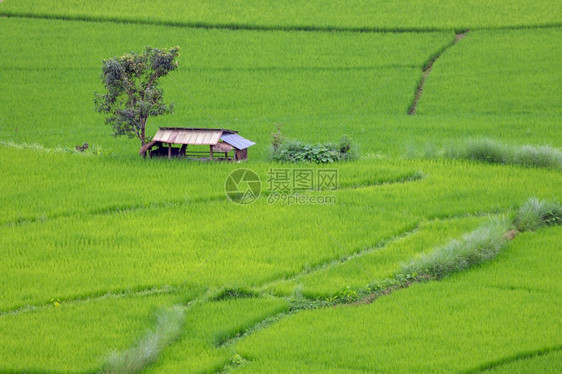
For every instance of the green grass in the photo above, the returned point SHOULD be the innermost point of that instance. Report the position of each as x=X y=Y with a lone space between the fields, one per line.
x=376 y=263
x=74 y=184
x=320 y=85
x=88 y=253
x=475 y=247
x=316 y=14
x=429 y=327
x=161 y=236
x=245 y=80
x=168 y=327
x=535 y=213
x=96 y=249
x=74 y=256
x=516 y=72
x=74 y=337
x=207 y=327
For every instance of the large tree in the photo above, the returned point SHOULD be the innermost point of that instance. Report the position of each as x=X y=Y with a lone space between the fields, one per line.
x=133 y=92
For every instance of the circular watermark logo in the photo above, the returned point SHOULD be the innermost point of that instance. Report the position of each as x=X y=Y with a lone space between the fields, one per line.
x=242 y=186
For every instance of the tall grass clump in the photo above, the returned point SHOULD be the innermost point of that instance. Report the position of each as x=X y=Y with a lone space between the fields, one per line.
x=488 y=150
x=475 y=247
x=541 y=156
x=169 y=324
x=483 y=243
x=536 y=213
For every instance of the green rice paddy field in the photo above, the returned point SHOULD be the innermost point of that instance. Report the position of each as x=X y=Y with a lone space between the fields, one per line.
x=112 y=263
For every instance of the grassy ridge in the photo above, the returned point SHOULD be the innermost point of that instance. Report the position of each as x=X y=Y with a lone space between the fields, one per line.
x=169 y=325
x=315 y=14
x=548 y=363
x=405 y=332
x=378 y=264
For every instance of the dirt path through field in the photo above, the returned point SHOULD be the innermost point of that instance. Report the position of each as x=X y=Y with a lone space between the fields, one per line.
x=427 y=70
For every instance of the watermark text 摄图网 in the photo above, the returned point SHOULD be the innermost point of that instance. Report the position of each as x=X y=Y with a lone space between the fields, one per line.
x=287 y=186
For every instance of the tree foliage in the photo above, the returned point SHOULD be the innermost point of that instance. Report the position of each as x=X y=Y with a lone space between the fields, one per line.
x=133 y=92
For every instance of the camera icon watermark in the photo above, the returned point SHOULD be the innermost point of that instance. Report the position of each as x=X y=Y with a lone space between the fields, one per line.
x=286 y=186
x=243 y=186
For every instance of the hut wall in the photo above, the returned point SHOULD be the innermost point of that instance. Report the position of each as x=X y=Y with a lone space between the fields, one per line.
x=241 y=154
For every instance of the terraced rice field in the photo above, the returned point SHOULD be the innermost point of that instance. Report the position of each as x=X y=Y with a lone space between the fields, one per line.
x=114 y=263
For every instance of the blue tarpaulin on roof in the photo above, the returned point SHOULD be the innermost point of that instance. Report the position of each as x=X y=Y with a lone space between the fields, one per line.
x=236 y=141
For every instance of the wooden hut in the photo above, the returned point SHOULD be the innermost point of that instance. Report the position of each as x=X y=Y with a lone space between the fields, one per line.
x=175 y=141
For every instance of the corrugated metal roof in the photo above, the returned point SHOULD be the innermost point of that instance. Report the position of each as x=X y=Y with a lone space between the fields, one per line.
x=200 y=136
x=236 y=141
x=188 y=136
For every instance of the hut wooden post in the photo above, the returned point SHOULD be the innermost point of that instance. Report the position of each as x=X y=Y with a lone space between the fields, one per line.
x=169 y=150
x=211 y=148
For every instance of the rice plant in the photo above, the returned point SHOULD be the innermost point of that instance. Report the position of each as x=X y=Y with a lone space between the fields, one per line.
x=207 y=329
x=493 y=72
x=93 y=243
x=74 y=336
x=418 y=15
x=510 y=305
x=377 y=263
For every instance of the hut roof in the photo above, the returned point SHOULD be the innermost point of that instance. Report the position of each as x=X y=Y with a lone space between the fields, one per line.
x=185 y=135
x=236 y=141
x=198 y=136
x=201 y=136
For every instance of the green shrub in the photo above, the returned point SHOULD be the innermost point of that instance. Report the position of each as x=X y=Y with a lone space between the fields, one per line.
x=346 y=295
x=295 y=151
x=234 y=293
